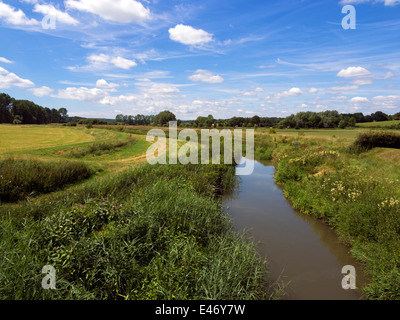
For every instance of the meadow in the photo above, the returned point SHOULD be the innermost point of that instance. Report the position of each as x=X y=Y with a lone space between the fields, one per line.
x=115 y=227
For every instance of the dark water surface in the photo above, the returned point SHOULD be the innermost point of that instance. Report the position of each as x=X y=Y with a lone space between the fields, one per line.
x=301 y=248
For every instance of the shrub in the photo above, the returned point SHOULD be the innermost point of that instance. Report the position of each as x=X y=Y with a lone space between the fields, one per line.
x=22 y=178
x=376 y=139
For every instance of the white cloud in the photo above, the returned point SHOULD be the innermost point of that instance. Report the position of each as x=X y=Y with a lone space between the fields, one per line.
x=353 y=72
x=386 y=102
x=359 y=99
x=289 y=93
x=388 y=75
x=189 y=35
x=5 y=60
x=48 y=9
x=103 y=61
x=101 y=83
x=389 y=3
x=42 y=91
x=123 y=11
x=158 y=89
x=313 y=90
x=303 y=105
x=9 y=79
x=82 y=94
x=206 y=76
x=362 y=82
x=15 y=16
x=344 y=88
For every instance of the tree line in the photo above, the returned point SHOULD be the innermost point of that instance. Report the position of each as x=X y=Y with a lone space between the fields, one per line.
x=27 y=112
x=332 y=119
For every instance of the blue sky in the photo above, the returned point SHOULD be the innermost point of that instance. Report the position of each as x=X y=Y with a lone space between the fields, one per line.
x=226 y=58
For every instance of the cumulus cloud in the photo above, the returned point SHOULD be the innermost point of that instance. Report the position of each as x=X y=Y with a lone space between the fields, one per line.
x=48 y=9
x=9 y=79
x=103 y=61
x=124 y=11
x=289 y=93
x=15 y=16
x=101 y=83
x=353 y=72
x=359 y=99
x=206 y=76
x=313 y=90
x=189 y=35
x=42 y=91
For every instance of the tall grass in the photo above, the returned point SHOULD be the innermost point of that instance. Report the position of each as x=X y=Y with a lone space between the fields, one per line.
x=151 y=232
x=26 y=177
x=99 y=148
x=358 y=199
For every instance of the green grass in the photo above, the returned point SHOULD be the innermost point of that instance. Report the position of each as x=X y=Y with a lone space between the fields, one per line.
x=380 y=124
x=22 y=178
x=151 y=232
x=356 y=194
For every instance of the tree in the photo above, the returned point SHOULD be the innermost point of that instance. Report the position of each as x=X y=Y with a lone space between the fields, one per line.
x=379 y=116
x=164 y=117
x=255 y=120
x=5 y=108
x=63 y=114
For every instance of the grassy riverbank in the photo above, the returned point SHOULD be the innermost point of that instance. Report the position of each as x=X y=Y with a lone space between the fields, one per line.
x=356 y=193
x=146 y=232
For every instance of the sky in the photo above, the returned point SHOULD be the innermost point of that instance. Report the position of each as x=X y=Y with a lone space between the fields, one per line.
x=100 y=58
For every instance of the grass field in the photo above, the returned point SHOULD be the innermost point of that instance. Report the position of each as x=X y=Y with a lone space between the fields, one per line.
x=381 y=124
x=134 y=231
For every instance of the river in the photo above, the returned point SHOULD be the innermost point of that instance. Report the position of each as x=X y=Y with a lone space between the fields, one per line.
x=300 y=249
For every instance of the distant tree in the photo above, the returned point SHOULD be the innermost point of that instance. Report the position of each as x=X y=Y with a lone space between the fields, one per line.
x=164 y=117
x=379 y=116
x=255 y=120
x=342 y=124
x=5 y=108
x=396 y=116
x=63 y=114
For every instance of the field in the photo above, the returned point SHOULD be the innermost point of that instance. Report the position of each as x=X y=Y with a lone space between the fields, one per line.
x=85 y=201
x=126 y=230
x=381 y=124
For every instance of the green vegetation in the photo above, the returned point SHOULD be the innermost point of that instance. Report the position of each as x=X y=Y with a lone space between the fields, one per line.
x=356 y=194
x=392 y=124
x=22 y=178
x=146 y=232
x=154 y=232
x=375 y=139
x=99 y=148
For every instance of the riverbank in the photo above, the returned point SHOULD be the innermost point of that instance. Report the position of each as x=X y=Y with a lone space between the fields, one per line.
x=355 y=194
x=302 y=251
x=150 y=232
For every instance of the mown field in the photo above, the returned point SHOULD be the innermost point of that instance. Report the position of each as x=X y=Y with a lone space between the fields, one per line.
x=114 y=227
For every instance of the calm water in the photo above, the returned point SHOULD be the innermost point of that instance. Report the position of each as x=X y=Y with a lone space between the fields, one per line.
x=300 y=248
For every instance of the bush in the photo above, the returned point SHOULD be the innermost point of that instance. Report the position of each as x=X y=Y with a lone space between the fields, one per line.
x=376 y=139
x=22 y=178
